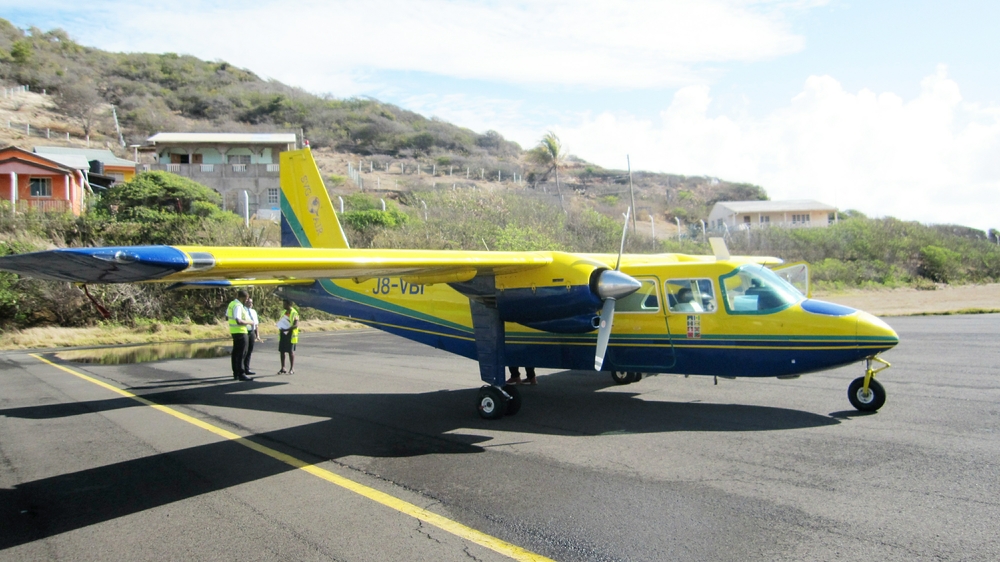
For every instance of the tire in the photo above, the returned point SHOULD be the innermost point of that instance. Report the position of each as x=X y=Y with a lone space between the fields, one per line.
x=636 y=376
x=870 y=403
x=491 y=403
x=514 y=404
x=621 y=377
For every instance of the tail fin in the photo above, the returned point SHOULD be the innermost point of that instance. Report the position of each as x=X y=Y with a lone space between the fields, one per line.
x=307 y=216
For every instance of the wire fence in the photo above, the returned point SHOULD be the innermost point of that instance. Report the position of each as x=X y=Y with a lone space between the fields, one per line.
x=13 y=97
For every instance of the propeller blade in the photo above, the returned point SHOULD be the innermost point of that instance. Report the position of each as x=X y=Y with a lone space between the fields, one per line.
x=604 y=332
x=624 y=232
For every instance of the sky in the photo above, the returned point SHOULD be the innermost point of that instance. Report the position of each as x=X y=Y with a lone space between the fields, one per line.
x=891 y=108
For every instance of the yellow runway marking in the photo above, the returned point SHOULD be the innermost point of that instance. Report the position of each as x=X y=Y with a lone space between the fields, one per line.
x=407 y=508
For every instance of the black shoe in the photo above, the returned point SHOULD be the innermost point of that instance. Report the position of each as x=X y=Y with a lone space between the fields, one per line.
x=251 y=372
x=236 y=377
x=243 y=378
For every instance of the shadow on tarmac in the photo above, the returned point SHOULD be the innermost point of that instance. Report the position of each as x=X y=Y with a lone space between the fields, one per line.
x=368 y=425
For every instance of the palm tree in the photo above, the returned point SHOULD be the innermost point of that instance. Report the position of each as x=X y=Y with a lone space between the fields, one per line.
x=549 y=153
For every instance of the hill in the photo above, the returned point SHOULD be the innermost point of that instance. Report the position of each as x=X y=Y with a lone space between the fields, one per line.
x=170 y=92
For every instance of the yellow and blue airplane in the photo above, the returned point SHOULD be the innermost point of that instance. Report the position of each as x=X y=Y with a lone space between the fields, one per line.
x=716 y=315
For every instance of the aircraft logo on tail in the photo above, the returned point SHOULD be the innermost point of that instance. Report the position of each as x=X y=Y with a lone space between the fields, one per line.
x=307 y=216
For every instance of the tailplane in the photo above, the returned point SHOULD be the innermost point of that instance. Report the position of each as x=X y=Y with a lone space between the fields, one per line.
x=307 y=216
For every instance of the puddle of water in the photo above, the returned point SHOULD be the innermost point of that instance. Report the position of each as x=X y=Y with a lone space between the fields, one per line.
x=145 y=353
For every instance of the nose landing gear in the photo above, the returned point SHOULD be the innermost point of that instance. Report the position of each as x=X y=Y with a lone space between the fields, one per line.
x=865 y=393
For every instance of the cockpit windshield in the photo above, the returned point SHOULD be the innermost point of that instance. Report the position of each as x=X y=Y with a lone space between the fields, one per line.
x=755 y=289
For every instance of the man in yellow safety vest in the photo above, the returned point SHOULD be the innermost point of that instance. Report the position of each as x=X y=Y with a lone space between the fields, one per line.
x=236 y=316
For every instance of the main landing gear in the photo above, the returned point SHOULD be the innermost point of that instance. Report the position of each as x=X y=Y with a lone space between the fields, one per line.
x=625 y=377
x=865 y=393
x=494 y=403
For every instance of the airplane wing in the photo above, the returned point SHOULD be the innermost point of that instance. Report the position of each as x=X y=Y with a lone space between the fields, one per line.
x=241 y=265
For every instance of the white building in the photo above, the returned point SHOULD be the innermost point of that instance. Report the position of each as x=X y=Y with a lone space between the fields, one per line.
x=755 y=214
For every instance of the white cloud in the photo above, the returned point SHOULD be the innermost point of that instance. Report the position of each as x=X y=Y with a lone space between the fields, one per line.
x=932 y=158
x=331 y=45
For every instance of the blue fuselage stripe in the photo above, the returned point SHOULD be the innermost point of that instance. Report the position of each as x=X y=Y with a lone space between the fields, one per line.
x=741 y=356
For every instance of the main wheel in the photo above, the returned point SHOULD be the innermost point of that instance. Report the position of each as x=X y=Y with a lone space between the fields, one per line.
x=491 y=403
x=514 y=404
x=866 y=402
x=621 y=377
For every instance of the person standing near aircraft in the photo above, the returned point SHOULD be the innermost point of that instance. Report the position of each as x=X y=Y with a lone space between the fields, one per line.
x=253 y=335
x=288 y=327
x=237 y=318
x=515 y=375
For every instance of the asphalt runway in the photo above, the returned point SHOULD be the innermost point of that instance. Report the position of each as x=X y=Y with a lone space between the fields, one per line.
x=329 y=463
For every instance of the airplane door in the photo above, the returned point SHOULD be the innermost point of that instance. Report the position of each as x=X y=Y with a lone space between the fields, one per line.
x=692 y=313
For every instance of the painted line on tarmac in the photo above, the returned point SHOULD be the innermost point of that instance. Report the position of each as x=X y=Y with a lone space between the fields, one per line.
x=402 y=506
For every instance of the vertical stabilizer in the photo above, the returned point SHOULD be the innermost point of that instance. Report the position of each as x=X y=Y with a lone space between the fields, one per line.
x=307 y=216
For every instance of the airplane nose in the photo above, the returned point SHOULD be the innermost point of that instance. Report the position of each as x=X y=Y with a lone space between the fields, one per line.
x=874 y=332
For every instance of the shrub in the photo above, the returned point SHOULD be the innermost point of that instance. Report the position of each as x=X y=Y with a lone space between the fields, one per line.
x=940 y=264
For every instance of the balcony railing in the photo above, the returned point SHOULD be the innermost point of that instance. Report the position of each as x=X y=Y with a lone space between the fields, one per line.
x=45 y=205
x=217 y=170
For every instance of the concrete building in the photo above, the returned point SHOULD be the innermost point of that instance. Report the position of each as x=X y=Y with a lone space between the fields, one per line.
x=230 y=163
x=757 y=214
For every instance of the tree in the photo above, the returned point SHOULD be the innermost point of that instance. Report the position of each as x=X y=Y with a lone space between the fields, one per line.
x=549 y=153
x=151 y=195
x=80 y=100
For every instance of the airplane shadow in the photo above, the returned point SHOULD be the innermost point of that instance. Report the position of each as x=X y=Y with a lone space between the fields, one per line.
x=367 y=425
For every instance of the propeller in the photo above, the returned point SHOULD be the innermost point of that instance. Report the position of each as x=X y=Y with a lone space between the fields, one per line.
x=611 y=286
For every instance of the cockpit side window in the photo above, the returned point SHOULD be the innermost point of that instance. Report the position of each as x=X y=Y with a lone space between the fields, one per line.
x=754 y=289
x=643 y=300
x=690 y=295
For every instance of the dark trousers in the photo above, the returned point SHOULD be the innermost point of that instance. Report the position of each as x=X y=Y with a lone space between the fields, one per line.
x=251 y=335
x=239 y=353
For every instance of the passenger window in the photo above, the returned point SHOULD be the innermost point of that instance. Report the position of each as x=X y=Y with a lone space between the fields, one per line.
x=690 y=295
x=643 y=300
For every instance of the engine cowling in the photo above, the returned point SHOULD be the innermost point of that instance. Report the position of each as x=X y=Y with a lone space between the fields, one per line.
x=570 y=308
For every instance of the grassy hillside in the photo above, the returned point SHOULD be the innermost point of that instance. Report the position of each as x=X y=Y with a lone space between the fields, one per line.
x=170 y=92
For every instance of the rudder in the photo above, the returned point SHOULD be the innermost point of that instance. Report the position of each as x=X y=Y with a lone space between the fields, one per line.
x=307 y=216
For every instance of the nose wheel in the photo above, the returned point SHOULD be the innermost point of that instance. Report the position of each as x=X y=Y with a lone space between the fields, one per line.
x=865 y=393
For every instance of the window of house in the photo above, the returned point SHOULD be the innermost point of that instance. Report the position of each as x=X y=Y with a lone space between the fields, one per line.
x=238 y=158
x=119 y=178
x=41 y=187
x=765 y=219
x=800 y=218
x=643 y=300
x=273 y=198
x=690 y=295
